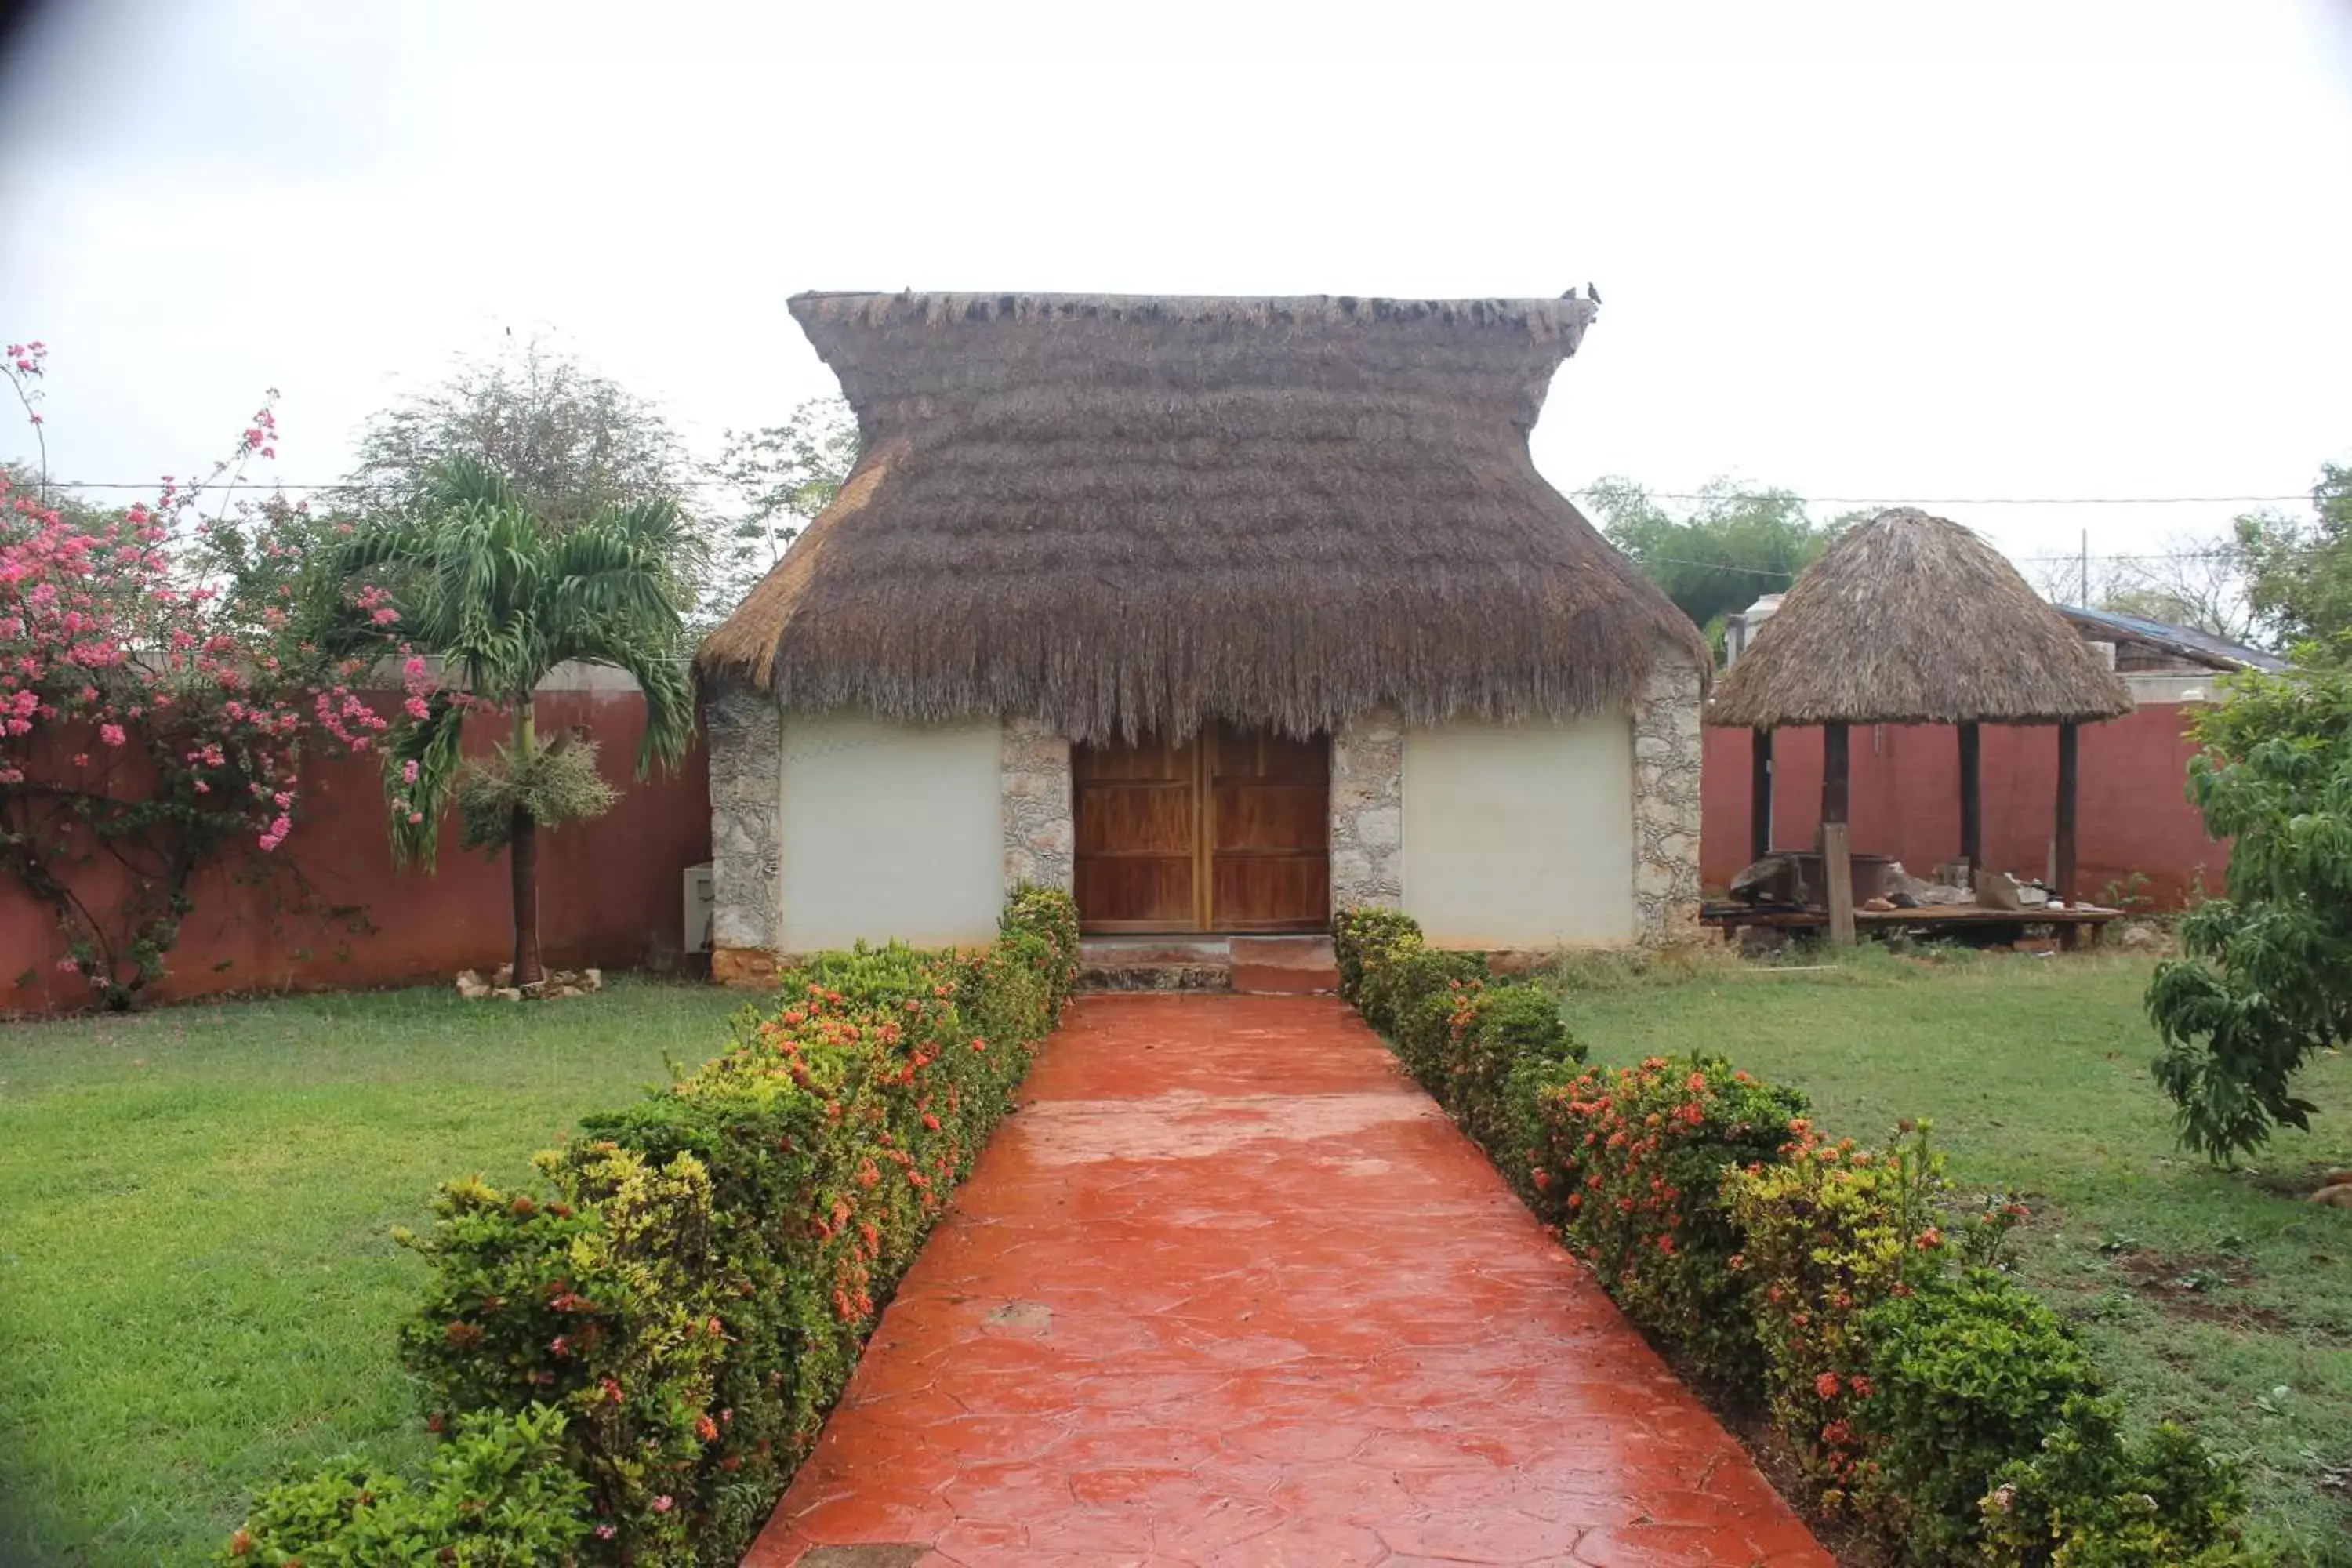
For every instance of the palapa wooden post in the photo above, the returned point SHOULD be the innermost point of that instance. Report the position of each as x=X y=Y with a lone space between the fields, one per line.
x=1760 y=795
x=1834 y=769
x=1837 y=850
x=1972 y=797
x=1837 y=869
x=2068 y=778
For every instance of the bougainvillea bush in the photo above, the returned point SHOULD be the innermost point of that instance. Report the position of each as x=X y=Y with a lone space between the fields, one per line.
x=692 y=1281
x=1926 y=1395
x=157 y=688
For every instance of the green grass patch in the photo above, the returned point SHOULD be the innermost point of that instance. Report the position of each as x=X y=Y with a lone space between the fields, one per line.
x=2219 y=1299
x=198 y=1285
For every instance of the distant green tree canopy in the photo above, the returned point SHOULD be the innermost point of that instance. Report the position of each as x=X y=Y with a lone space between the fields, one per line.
x=1732 y=544
x=2299 y=573
x=781 y=476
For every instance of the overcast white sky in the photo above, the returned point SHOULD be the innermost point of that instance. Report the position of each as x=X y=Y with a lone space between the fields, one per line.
x=1890 y=252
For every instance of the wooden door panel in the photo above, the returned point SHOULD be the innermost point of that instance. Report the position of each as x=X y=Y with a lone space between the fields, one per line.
x=1137 y=893
x=1271 y=816
x=1137 y=820
x=1229 y=832
x=1273 y=892
x=1147 y=760
x=1121 y=819
x=1270 y=831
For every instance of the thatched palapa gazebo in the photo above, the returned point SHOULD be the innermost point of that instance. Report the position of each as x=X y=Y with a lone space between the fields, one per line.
x=1912 y=619
x=1221 y=611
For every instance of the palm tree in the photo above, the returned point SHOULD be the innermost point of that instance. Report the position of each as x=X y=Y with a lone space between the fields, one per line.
x=503 y=595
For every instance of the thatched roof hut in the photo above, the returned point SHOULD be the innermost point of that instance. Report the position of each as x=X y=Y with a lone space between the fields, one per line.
x=1911 y=619
x=1123 y=515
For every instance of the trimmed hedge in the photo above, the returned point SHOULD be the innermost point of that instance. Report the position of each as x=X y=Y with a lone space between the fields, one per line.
x=1928 y=1396
x=690 y=1285
x=497 y=1495
x=1464 y=1035
x=1630 y=1164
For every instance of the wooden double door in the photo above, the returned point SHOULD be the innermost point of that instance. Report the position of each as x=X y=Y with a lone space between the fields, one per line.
x=1229 y=832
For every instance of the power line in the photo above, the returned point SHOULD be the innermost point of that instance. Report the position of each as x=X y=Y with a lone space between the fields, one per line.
x=1588 y=491
x=1786 y=574
x=1979 y=500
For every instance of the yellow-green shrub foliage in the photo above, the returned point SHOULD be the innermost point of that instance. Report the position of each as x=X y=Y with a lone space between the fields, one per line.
x=1361 y=936
x=1949 y=1410
x=496 y=1495
x=693 y=1284
x=1827 y=1231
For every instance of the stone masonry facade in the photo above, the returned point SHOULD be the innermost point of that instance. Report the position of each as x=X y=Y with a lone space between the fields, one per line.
x=746 y=730
x=1040 y=838
x=1666 y=746
x=1368 y=812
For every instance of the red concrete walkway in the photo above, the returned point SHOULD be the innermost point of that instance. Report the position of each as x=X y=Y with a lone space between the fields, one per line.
x=1230 y=1290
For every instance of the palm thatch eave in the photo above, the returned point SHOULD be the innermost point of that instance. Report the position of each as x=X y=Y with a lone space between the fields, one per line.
x=1122 y=515
x=1913 y=619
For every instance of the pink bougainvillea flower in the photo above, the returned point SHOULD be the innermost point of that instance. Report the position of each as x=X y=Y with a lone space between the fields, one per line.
x=112 y=734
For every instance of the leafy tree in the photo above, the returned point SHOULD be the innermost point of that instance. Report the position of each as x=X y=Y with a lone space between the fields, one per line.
x=503 y=593
x=572 y=444
x=2268 y=979
x=2300 y=574
x=1734 y=545
x=785 y=474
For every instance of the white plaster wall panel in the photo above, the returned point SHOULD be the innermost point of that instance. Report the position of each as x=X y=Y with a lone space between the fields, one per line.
x=1520 y=835
x=889 y=830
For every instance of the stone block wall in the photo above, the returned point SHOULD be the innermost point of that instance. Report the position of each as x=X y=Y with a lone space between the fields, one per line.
x=746 y=733
x=1040 y=837
x=1668 y=744
x=1368 y=813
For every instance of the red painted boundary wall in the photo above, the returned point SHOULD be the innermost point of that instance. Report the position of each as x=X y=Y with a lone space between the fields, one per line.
x=610 y=891
x=1906 y=800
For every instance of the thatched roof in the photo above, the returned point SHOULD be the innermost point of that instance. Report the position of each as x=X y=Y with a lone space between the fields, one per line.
x=1910 y=619
x=1122 y=514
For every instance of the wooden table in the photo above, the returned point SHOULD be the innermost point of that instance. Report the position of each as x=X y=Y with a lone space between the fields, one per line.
x=1928 y=920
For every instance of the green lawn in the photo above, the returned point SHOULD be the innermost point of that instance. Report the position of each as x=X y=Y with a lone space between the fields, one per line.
x=2210 y=1296
x=197 y=1286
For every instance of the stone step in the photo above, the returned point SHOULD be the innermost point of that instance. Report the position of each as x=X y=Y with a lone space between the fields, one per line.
x=1283 y=965
x=1154 y=964
x=1260 y=965
x=1154 y=977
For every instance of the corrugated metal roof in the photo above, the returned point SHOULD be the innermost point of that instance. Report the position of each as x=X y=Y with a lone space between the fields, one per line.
x=2219 y=653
